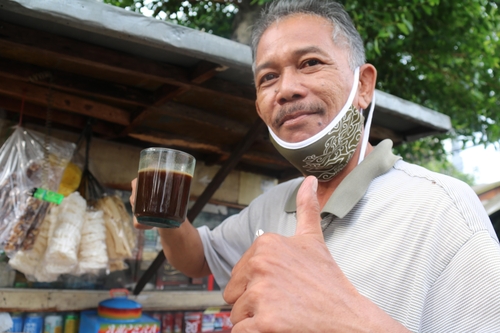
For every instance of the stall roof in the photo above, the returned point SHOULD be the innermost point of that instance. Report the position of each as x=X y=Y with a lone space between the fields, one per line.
x=148 y=82
x=489 y=194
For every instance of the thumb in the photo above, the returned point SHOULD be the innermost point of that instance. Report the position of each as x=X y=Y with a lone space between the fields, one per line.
x=308 y=212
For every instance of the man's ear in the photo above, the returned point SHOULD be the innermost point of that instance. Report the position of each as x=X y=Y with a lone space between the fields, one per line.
x=367 y=80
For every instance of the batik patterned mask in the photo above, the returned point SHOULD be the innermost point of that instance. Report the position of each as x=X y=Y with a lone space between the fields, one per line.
x=326 y=157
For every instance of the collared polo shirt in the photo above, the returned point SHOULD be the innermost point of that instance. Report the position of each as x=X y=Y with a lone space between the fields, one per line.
x=416 y=243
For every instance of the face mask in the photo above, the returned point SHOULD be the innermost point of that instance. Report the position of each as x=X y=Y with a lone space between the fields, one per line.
x=325 y=154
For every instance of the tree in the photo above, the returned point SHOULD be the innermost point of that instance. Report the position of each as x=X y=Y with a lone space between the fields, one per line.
x=214 y=16
x=442 y=54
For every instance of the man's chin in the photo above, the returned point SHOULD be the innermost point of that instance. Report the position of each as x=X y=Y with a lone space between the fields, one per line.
x=295 y=137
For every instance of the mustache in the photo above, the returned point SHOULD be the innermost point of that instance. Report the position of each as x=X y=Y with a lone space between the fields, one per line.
x=288 y=110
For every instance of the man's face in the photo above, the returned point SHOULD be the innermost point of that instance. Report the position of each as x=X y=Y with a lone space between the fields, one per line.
x=302 y=78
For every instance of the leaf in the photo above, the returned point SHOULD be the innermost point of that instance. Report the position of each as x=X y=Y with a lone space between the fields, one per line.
x=375 y=46
x=427 y=9
x=403 y=28
x=408 y=25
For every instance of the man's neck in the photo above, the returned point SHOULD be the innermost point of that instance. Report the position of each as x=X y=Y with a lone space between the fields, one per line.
x=325 y=189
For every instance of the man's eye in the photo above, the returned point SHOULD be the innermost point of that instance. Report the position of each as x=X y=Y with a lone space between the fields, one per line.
x=311 y=62
x=268 y=77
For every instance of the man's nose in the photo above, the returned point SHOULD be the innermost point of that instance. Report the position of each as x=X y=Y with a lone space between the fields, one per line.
x=290 y=87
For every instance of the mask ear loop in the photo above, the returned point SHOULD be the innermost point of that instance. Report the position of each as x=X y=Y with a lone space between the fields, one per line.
x=366 y=134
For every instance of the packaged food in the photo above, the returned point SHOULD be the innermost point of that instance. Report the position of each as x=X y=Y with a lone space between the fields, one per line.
x=27 y=161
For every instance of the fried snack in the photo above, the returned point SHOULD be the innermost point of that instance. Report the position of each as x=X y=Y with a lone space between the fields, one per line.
x=33 y=213
x=34 y=230
x=27 y=261
x=120 y=237
x=92 y=255
x=61 y=256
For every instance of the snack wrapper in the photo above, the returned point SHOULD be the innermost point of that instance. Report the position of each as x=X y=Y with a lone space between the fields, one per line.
x=27 y=162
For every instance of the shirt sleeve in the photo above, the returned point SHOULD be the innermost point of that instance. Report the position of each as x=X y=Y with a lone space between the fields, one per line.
x=466 y=296
x=225 y=244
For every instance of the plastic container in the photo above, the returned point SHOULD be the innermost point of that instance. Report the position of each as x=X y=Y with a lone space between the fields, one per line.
x=118 y=314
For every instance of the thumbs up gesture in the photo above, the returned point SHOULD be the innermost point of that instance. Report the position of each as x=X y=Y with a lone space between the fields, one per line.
x=292 y=284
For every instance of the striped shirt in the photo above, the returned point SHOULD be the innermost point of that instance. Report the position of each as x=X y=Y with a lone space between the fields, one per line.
x=416 y=243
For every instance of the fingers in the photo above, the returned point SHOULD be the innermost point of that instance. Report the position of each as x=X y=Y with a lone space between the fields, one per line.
x=137 y=225
x=133 y=183
x=238 y=282
x=243 y=308
x=245 y=326
x=308 y=212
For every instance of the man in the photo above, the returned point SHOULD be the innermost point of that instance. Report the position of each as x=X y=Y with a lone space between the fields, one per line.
x=366 y=242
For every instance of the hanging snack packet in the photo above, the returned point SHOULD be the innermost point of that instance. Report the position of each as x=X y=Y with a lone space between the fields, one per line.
x=120 y=236
x=61 y=256
x=27 y=162
x=27 y=261
x=92 y=255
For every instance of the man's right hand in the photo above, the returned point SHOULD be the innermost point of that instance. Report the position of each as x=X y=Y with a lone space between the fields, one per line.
x=293 y=284
x=182 y=246
x=137 y=225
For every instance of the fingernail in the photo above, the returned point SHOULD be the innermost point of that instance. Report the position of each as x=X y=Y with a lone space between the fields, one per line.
x=315 y=185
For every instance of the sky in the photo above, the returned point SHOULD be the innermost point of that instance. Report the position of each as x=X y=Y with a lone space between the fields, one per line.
x=483 y=163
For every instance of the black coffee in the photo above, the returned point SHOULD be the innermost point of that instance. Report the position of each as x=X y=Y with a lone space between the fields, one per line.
x=162 y=195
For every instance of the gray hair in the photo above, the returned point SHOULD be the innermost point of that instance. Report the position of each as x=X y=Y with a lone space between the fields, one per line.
x=344 y=31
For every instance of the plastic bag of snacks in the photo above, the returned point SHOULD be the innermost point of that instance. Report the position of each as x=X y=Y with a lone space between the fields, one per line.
x=92 y=254
x=30 y=169
x=120 y=236
x=71 y=241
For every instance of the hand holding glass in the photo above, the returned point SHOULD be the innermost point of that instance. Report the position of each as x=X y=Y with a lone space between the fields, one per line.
x=163 y=187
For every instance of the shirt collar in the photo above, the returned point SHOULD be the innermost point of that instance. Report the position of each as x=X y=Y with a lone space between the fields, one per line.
x=353 y=187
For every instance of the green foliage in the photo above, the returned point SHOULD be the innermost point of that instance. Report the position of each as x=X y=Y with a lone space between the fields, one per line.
x=443 y=54
x=210 y=16
x=447 y=168
x=429 y=153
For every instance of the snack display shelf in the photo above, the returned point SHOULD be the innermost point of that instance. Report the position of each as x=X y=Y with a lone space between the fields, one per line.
x=54 y=300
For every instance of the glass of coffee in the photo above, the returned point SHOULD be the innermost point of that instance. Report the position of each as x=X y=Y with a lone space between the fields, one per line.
x=163 y=187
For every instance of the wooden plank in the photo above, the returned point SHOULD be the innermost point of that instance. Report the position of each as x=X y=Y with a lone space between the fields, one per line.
x=48 y=50
x=20 y=39
x=64 y=101
x=205 y=70
x=163 y=139
x=58 y=117
x=49 y=300
x=245 y=93
x=79 y=84
x=378 y=133
x=166 y=93
x=169 y=140
x=191 y=114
